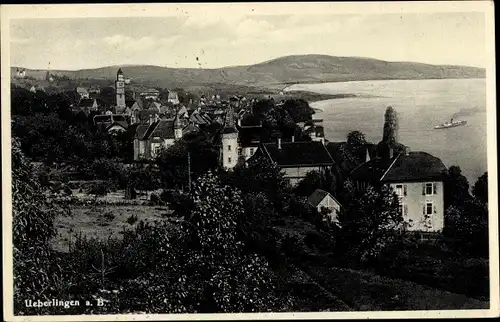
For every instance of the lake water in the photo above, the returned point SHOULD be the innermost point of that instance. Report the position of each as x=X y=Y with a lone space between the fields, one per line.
x=420 y=105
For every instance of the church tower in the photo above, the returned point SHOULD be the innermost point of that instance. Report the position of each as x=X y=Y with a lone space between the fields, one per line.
x=120 y=89
x=229 y=147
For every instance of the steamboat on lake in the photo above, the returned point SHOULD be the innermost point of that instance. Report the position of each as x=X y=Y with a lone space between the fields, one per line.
x=449 y=124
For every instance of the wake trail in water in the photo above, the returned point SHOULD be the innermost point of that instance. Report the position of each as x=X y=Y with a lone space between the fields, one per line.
x=466 y=112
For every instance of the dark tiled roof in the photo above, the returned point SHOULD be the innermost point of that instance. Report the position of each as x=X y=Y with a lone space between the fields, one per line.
x=372 y=170
x=317 y=196
x=86 y=102
x=129 y=103
x=200 y=119
x=164 y=129
x=416 y=166
x=141 y=131
x=298 y=153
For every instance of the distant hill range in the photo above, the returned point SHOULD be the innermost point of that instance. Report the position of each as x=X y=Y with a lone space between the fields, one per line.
x=277 y=72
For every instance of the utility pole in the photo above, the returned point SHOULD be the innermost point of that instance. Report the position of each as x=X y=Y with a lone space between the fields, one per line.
x=189 y=171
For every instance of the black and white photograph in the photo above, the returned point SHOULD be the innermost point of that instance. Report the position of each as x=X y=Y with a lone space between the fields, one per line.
x=249 y=160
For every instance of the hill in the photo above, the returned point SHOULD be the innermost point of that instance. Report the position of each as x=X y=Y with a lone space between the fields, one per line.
x=275 y=73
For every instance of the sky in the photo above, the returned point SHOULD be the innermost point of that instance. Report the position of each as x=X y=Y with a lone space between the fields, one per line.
x=212 y=41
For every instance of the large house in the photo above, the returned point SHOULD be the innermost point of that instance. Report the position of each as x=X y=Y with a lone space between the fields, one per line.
x=417 y=179
x=150 y=94
x=296 y=159
x=157 y=134
x=111 y=123
x=82 y=92
x=86 y=105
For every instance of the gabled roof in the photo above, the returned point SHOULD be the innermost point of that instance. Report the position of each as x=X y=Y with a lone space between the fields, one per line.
x=141 y=130
x=416 y=166
x=164 y=129
x=200 y=119
x=86 y=102
x=317 y=197
x=130 y=103
x=294 y=154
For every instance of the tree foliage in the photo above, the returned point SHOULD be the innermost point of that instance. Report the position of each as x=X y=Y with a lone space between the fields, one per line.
x=369 y=222
x=173 y=162
x=33 y=214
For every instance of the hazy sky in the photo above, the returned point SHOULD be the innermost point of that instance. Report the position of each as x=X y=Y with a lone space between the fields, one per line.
x=217 y=41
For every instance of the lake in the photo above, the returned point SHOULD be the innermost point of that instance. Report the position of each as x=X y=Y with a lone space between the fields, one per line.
x=420 y=105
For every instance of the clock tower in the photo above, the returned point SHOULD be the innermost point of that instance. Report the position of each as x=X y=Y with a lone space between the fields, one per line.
x=120 y=89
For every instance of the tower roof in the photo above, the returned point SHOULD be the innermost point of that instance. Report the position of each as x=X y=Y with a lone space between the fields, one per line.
x=120 y=72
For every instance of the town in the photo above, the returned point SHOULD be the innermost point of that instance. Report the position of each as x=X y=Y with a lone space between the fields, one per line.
x=140 y=168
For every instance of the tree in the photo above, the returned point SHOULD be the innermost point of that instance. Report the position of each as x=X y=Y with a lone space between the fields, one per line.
x=298 y=109
x=390 y=138
x=173 y=162
x=456 y=187
x=313 y=180
x=212 y=273
x=369 y=222
x=480 y=188
x=356 y=144
x=466 y=217
x=262 y=176
x=33 y=214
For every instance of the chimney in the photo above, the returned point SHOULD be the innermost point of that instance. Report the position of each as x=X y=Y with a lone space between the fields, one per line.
x=293 y=138
x=407 y=151
x=279 y=143
x=367 y=155
x=391 y=152
x=151 y=119
x=239 y=121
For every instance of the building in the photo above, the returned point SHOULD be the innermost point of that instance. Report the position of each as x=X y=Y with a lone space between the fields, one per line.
x=296 y=159
x=157 y=134
x=173 y=98
x=316 y=132
x=94 y=90
x=21 y=73
x=111 y=123
x=417 y=179
x=321 y=199
x=87 y=105
x=82 y=92
x=120 y=90
x=150 y=94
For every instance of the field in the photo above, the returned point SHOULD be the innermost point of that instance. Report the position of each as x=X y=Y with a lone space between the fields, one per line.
x=103 y=221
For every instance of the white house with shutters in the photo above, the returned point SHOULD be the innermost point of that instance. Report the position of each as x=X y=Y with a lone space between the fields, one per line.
x=417 y=179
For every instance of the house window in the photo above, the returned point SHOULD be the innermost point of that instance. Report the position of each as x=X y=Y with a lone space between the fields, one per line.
x=428 y=208
x=405 y=210
x=157 y=149
x=399 y=190
x=405 y=190
x=229 y=160
x=429 y=189
x=229 y=147
x=251 y=151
